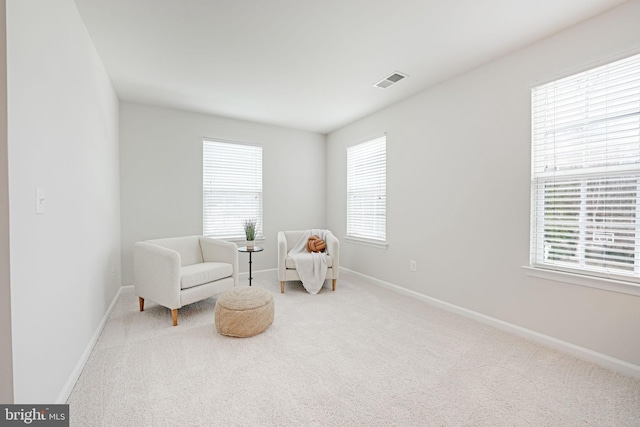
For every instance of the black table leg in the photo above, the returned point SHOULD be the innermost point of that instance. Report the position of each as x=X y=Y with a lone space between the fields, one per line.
x=244 y=249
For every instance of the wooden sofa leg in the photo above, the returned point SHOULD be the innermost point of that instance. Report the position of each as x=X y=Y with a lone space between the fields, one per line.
x=333 y=284
x=141 y=302
x=174 y=315
x=282 y=287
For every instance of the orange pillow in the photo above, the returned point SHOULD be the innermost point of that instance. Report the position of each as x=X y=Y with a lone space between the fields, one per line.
x=316 y=244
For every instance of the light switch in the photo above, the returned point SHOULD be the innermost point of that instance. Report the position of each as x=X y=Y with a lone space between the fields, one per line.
x=39 y=201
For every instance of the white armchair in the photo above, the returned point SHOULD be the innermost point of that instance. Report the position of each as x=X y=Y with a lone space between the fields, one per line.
x=177 y=271
x=287 y=266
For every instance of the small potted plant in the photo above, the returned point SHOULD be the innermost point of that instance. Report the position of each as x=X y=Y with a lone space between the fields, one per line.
x=249 y=231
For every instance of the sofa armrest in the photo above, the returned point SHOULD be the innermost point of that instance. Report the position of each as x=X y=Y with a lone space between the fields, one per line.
x=216 y=250
x=156 y=272
x=333 y=249
x=282 y=255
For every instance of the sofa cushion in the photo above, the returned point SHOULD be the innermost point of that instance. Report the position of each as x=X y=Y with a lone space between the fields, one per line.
x=290 y=263
x=205 y=272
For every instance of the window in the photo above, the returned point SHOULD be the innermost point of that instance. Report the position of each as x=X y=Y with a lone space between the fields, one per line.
x=586 y=172
x=232 y=188
x=367 y=190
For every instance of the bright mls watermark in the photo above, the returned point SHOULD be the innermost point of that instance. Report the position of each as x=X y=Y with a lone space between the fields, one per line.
x=34 y=415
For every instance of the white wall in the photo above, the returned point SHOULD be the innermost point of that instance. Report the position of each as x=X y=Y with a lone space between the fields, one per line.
x=63 y=137
x=458 y=165
x=161 y=177
x=6 y=364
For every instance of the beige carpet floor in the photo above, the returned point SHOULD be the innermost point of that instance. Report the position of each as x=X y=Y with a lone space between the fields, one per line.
x=360 y=356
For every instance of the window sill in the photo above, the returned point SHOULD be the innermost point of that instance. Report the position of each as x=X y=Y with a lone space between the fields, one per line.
x=583 y=280
x=238 y=241
x=367 y=242
x=244 y=241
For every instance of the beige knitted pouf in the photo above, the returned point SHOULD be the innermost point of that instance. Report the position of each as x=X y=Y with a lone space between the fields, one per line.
x=244 y=311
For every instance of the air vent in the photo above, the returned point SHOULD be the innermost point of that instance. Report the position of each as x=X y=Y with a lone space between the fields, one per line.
x=389 y=80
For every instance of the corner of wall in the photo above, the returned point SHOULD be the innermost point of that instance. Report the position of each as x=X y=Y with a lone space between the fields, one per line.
x=6 y=348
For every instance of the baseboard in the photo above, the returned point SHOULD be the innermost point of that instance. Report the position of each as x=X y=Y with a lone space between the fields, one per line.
x=600 y=359
x=75 y=374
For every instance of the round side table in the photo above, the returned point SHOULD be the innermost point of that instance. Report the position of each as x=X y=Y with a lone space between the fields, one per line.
x=251 y=251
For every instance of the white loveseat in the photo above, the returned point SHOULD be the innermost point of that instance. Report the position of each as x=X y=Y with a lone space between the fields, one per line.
x=177 y=271
x=287 y=266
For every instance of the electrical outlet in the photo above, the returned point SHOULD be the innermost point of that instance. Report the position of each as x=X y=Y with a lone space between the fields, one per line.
x=412 y=265
x=39 y=201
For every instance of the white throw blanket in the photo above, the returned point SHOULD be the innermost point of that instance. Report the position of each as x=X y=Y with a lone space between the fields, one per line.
x=311 y=266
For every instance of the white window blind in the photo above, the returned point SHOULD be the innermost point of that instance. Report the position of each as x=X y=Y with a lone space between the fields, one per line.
x=586 y=172
x=232 y=188
x=367 y=190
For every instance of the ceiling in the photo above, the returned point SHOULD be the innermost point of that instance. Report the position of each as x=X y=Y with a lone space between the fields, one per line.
x=306 y=64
